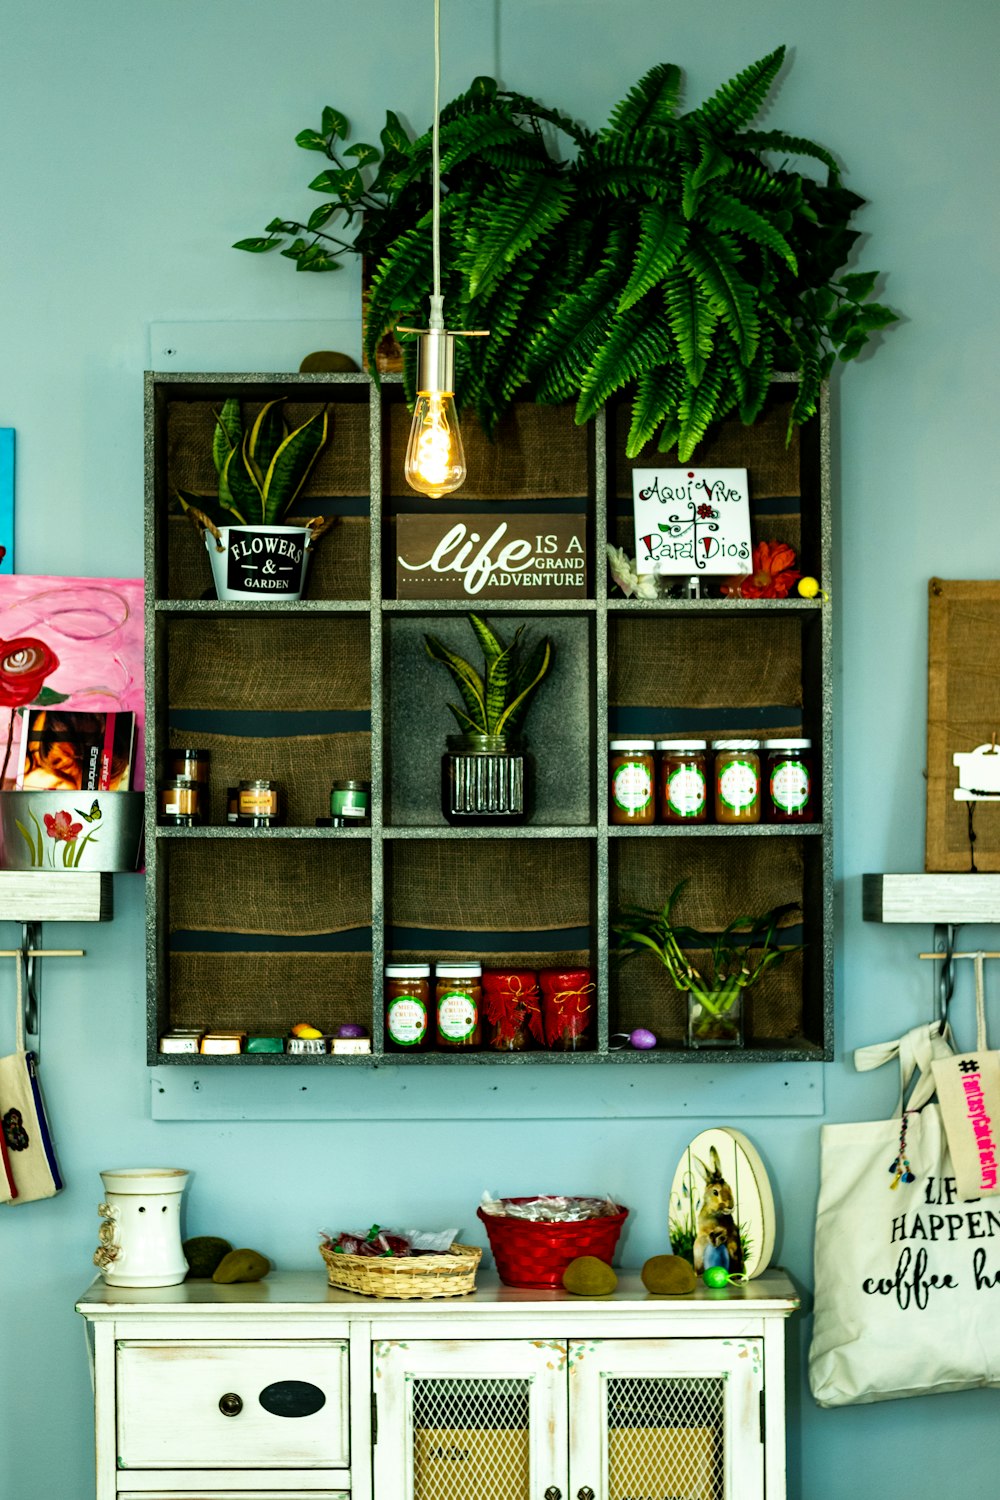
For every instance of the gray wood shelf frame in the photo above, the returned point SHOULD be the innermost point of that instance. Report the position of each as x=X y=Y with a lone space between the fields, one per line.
x=598 y=615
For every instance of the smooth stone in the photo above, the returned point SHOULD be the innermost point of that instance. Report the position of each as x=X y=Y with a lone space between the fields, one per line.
x=241 y=1265
x=669 y=1276
x=589 y=1277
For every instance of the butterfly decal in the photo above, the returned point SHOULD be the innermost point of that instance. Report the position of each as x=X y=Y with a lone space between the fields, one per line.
x=94 y=816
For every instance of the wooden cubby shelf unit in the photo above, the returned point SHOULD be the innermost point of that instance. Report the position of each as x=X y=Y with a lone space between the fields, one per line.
x=258 y=929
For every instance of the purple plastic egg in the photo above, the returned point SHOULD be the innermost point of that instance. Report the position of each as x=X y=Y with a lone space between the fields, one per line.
x=642 y=1039
x=352 y=1028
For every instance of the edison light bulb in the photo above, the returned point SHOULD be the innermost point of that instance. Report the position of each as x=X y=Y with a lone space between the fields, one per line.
x=435 y=459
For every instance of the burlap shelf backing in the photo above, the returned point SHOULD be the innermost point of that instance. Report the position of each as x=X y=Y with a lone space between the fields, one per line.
x=304 y=765
x=726 y=877
x=339 y=568
x=743 y=661
x=538 y=454
x=275 y=887
x=643 y=994
x=561 y=958
x=773 y=466
x=340 y=469
x=494 y=885
x=963 y=712
x=266 y=994
x=274 y=665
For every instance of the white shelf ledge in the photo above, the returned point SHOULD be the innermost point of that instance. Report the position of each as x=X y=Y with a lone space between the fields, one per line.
x=931 y=898
x=55 y=896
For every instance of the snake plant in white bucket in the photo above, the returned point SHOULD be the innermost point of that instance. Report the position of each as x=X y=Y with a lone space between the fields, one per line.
x=261 y=471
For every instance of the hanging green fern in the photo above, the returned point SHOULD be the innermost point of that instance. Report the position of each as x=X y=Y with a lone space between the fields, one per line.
x=676 y=253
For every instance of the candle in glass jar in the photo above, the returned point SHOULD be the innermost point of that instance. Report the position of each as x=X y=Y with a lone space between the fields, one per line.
x=567 y=1008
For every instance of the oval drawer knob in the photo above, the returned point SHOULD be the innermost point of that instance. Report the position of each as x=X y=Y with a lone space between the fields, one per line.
x=230 y=1404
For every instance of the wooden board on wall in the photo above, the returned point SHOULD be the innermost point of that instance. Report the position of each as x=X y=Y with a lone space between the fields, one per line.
x=963 y=711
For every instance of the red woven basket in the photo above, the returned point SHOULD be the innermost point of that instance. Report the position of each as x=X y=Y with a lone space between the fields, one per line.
x=533 y=1253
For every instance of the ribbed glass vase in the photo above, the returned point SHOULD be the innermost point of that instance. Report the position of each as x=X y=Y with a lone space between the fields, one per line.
x=483 y=781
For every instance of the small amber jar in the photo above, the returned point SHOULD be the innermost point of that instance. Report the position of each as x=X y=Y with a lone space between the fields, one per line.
x=568 y=1009
x=737 y=781
x=788 y=781
x=260 y=803
x=683 y=781
x=513 y=1012
x=632 y=782
x=407 y=1007
x=193 y=765
x=458 y=1006
x=180 y=803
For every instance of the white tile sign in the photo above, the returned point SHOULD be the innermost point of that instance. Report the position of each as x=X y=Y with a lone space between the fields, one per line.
x=690 y=521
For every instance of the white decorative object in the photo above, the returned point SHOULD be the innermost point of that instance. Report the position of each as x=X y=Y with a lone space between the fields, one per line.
x=978 y=774
x=721 y=1205
x=691 y=521
x=260 y=562
x=140 y=1233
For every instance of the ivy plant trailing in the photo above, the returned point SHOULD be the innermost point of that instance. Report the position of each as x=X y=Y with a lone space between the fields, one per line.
x=664 y=253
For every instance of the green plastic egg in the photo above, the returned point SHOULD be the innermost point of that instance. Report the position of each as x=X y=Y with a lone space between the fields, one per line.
x=716 y=1276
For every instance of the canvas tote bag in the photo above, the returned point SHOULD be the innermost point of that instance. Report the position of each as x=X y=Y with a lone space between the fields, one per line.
x=27 y=1142
x=907 y=1272
x=968 y=1090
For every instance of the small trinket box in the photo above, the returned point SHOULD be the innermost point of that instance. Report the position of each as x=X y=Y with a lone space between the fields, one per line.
x=222 y=1043
x=306 y=1046
x=265 y=1044
x=346 y=1046
x=182 y=1039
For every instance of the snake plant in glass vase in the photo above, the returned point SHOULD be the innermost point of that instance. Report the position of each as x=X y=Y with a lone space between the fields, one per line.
x=736 y=959
x=483 y=769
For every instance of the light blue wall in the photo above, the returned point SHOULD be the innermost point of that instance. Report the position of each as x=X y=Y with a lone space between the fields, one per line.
x=139 y=140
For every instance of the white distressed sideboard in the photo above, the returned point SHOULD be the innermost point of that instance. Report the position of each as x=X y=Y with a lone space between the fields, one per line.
x=286 y=1389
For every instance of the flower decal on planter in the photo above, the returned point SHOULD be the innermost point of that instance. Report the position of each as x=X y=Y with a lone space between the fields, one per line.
x=14 y=1132
x=60 y=825
x=24 y=665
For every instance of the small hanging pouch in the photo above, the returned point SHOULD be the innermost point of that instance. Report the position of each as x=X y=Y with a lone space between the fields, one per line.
x=968 y=1090
x=27 y=1144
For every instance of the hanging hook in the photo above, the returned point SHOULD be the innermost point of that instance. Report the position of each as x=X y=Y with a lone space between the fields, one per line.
x=31 y=938
x=944 y=943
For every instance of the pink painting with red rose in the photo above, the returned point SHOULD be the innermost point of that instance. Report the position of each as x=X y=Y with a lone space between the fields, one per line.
x=72 y=642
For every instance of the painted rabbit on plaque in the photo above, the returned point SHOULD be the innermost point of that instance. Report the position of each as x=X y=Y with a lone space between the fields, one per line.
x=721 y=1206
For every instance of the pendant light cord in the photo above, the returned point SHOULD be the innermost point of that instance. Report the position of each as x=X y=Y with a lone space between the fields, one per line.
x=437 y=302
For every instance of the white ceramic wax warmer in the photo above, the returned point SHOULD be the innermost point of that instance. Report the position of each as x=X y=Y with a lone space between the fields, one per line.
x=140 y=1233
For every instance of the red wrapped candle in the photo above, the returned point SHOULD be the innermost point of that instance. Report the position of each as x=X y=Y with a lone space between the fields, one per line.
x=510 y=999
x=567 y=1008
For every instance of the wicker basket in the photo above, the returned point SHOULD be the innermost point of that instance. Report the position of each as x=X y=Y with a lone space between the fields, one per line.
x=536 y=1252
x=408 y=1277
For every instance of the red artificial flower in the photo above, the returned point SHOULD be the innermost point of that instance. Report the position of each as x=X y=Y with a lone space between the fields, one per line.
x=24 y=666
x=774 y=574
x=61 y=826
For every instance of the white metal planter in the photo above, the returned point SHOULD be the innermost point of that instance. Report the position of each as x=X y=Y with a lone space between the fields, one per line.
x=259 y=562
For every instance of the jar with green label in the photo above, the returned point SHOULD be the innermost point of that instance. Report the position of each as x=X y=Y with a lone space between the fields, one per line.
x=683 y=781
x=788 y=780
x=407 y=1007
x=632 y=783
x=737 y=781
x=458 y=1003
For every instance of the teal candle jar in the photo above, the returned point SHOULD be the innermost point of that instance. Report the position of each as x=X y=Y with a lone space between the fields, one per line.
x=351 y=800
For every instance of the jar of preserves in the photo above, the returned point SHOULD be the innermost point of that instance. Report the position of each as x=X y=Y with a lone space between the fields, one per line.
x=192 y=764
x=632 y=783
x=788 y=781
x=458 y=1004
x=180 y=803
x=260 y=804
x=683 y=781
x=513 y=1012
x=737 y=781
x=567 y=1009
x=407 y=1007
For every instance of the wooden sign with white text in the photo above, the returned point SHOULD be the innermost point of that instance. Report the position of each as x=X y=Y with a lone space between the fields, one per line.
x=492 y=556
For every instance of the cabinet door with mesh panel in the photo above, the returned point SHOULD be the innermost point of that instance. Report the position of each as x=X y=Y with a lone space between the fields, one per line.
x=470 y=1420
x=666 y=1419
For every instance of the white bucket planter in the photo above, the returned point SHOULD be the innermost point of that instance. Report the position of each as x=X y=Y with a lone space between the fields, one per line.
x=140 y=1234
x=259 y=562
